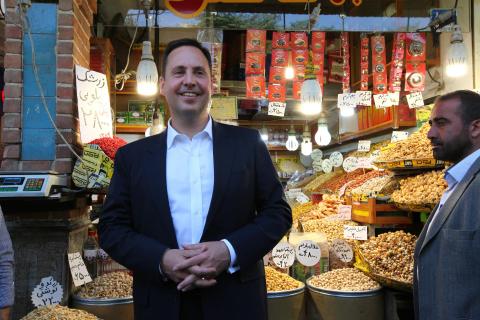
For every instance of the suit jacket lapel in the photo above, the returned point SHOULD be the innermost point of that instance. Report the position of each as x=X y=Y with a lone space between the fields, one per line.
x=157 y=164
x=448 y=206
x=223 y=157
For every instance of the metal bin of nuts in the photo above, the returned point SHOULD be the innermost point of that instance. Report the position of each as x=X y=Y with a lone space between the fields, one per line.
x=109 y=296
x=285 y=296
x=345 y=294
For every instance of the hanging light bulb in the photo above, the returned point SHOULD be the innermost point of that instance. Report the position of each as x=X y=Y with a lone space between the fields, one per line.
x=311 y=94
x=289 y=73
x=323 y=137
x=306 y=149
x=157 y=124
x=264 y=134
x=292 y=142
x=347 y=111
x=147 y=75
x=456 y=55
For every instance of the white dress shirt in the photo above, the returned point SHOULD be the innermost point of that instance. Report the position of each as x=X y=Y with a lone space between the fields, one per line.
x=190 y=179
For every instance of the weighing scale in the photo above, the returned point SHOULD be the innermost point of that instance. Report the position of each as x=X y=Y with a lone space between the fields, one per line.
x=39 y=184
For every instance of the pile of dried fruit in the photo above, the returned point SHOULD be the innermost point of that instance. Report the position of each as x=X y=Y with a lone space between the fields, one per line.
x=109 y=145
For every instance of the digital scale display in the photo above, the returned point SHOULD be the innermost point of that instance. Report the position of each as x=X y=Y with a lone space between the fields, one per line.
x=11 y=181
x=30 y=184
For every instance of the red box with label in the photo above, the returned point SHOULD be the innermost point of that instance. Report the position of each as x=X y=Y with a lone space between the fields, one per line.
x=256 y=41
x=280 y=57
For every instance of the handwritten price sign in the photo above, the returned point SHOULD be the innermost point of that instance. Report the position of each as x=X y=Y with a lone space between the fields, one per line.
x=342 y=250
x=355 y=232
x=344 y=212
x=78 y=269
x=350 y=164
x=308 y=253
x=399 y=135
x=394 y=98
x=347 y=100
x=327 y=166
x=364 y=145
x=337 y=159
x=283 y=255
x=382 y=100
x=317 y=154
x=415 y=100
x=364 y=98
x=276 y=109
x=48 y=292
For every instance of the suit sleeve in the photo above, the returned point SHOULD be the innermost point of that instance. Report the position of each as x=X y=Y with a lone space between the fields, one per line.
x=274 y=216
x=117 y=236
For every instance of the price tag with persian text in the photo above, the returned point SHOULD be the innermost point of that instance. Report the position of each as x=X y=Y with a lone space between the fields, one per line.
x=276 y=109
x=364 y=145
x=78 y=269
x=399 y=136
x=308 y=253
x=337 y=159
x=355 y=232
x=283 y=255
x=347 y=100
x=344 y=212
x=382 y=100
x=394 y=98
x=47 y=292
x=364 y=98
x=415 y=100
x=350 y=164
x=342 y=250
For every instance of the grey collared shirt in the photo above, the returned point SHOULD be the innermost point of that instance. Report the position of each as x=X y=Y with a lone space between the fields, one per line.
x=6 y=266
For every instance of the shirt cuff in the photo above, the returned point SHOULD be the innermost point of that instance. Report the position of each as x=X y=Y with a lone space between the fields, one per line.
x=233 y=257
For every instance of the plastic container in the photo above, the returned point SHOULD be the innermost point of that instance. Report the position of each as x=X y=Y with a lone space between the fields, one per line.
x=286 y=305
x=341 y=305
x=106 y=309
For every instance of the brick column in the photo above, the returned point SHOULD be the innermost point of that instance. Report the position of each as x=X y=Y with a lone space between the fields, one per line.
x=72 y=46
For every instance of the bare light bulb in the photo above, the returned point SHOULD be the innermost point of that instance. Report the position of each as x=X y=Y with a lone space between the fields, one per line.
x=289 y=73
x=306 y=148
x=147 y=75
x=456 y=65
x=311 y=97
x=264 y=134
x=292 y=142
x=323 y=136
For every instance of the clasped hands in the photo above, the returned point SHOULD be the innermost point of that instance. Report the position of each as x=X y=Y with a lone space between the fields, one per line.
x=196 y=265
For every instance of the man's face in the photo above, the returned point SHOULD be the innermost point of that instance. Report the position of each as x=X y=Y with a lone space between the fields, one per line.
x=449 y=135
x=186 y=84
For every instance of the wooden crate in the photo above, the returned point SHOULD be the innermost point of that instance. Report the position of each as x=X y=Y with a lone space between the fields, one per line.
x=372 y=212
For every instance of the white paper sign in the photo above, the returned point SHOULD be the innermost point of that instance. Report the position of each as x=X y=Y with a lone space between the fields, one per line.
x=382 y=100
x=399 y=136
x=78 y=269
x=317 y=154
x=347 y=100
x=364 y=98
x=308 y=253
x=364 y=145
x=364 y=162
x=276 y=109
x=344 y=212
x=355 y=232
x=394 y=98
x=415 y=100
x=375 y=153
x=93 y=99
x=302 y=198
x=317 y=165
x=327 y=166
x=342 y=250
x=350 y=164
x=283 y=255
x=337 y=159
x=48 y=292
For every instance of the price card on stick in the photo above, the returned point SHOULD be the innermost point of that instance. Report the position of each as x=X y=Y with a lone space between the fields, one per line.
x=317 y=154
x=364 y=98
x=399 y=136
x=78 y=269
x=308 y=253
x=276 y=109
x=355 y=232
x=327 y=166
x=342 y=250
x=382 y=100
x=364 y=145
x=415 y=100
x=364 y=162
x=350 y=164
x=317 y=165
x=337 y=159
x=283 y=255
x=48 y=292
x=347 y=100
x=394 y=98
x=344 y=212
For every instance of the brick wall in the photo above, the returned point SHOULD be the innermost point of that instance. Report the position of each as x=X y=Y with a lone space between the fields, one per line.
x=74 y=19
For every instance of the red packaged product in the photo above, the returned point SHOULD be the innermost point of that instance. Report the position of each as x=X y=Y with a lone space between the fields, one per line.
x=277 y=75
x=256 y=40
x=318 y=41
x=297 y=89
x=280 y=57
x=299 y=73
x=416 y=47
x=364 y=51
x=281 y=40
x=346 y=62
x=255 y=63
x=335 y=68
x=318 y=60
x=415 y=76
x=299 y=40
x=396 y=70
x=300 y=57
x=379 y=65
x=276 y=93
x=255 y=86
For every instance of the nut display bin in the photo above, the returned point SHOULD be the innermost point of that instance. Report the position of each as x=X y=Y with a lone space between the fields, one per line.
x=286 y=305
x=106 y=309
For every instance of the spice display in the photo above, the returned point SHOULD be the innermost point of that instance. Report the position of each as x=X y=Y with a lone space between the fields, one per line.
x=327 y=207
x=385 y=184
x=319 y=180
x=347 y=279
x=391 y=255
x=374 y=149
x=416 y=146
x=58 y=312
x=108 y=286
x=336 y=183
x=362 y=179
x=109 y=145
x=301 y=209
x=423 y=189
x=332 y=228
x=279 y=281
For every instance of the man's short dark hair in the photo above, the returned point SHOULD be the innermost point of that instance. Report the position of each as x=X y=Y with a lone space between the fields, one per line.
x=185 y=42
x=469 y=104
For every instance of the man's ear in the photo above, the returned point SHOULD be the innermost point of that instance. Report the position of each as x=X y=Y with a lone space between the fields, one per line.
x=161 y=82
x=475 y=129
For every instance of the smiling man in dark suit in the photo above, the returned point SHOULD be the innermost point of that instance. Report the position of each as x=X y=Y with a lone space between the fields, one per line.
x=193 y=210
x=447 y=272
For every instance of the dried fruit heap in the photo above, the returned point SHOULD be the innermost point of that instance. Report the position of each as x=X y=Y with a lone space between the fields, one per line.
x=109 y=145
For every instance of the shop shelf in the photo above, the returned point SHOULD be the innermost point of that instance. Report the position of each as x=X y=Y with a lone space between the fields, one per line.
x=374 y=212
